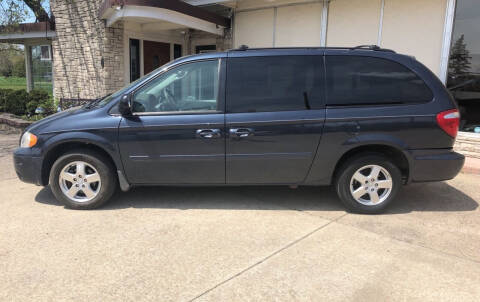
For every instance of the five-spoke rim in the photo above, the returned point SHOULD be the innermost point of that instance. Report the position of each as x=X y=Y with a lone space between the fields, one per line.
x=371 y=185
x=80 y=181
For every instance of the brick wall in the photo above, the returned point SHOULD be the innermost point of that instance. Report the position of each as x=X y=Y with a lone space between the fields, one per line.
x=82 y=41
x=468 y=144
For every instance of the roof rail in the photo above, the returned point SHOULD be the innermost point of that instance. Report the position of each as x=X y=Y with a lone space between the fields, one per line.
x=241 y=47
x=372 y=47
x=360 y=47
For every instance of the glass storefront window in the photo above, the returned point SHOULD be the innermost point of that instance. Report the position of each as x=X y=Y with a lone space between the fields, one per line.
x=42 y=68
x=464 y=64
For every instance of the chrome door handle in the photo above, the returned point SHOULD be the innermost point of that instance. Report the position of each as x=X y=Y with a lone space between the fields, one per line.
x=209 y=133
x=241 y=132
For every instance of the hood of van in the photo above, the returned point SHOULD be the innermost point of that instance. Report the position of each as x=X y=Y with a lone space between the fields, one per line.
x=55 y=120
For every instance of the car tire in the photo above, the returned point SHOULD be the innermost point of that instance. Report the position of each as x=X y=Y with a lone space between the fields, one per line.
x=372 y=174
x=83 y=179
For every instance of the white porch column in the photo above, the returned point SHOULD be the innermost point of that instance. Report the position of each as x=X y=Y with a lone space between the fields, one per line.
x=28 y=67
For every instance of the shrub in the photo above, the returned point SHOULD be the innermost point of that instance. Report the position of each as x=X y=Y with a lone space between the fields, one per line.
x=14 y=101
x=48 y=106
x=19 y=102
x=6 y=66
x=3 y=98
x=36 y=98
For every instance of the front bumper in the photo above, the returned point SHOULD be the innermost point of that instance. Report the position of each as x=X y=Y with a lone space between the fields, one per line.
x=435 y=165
x=28 y=166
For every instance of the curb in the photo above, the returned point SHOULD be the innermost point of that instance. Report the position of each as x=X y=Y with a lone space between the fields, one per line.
x=472 y=166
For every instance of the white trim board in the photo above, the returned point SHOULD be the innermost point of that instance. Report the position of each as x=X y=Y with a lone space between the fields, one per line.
x=324 y=25
x=380 y=24
x=447 y=39
x=28 y=35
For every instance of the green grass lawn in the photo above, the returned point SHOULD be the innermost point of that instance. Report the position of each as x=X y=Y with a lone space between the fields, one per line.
x=13 y=83
x=17 y=83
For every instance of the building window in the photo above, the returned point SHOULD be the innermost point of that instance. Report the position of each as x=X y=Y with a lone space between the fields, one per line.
x=45 y=53
x=134 y=59
x=205 y=48
x=464 y=64
x=177 y=51
x=42 y=68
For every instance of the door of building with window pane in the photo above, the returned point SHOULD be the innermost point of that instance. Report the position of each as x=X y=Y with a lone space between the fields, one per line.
x=464 y=63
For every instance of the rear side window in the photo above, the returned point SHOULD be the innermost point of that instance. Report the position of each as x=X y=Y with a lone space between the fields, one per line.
x=278 y=83
x=358 y=80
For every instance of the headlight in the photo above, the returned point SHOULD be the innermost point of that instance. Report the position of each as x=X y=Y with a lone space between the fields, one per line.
x=28 y=140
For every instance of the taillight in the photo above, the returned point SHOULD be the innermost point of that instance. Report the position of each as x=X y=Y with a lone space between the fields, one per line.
x=449 y=121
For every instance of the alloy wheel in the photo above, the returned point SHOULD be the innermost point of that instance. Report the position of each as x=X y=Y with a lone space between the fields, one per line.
x=371 y=185
x=79 y=181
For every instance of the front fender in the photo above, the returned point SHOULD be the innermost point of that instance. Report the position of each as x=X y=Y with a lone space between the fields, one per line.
x=107 y=141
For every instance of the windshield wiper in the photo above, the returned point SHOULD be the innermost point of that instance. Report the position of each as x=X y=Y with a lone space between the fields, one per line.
x=96 y=101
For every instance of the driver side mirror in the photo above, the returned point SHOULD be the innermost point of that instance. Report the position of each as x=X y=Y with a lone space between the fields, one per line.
x=125 y=105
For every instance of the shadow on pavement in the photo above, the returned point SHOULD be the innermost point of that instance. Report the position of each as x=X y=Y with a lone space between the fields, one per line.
x=438 y=196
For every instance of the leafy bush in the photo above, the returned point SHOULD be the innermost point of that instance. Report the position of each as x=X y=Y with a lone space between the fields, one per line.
x=15 y=101
x=36 y=98
x=6 y=66
x=20 y=102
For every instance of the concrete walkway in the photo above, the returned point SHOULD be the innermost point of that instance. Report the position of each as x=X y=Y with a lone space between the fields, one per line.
x=236 y=244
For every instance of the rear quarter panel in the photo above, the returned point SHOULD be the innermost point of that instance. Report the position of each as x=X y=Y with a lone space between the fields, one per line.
x=405 y=127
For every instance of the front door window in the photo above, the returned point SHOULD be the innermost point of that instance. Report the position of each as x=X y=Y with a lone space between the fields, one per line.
x=191 y=87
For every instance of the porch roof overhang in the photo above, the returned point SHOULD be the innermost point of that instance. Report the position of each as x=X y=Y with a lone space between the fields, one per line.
x=27 y=33
x=174 y=12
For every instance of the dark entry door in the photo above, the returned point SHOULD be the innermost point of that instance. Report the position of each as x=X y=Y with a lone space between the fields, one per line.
x=155 y=54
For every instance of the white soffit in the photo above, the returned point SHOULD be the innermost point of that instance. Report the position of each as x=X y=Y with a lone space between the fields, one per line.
x=154 y=14
x=26 y=36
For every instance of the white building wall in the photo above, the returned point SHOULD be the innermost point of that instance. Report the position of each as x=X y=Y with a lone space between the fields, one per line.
x=353 y=22
x=415 y=28
x=278 y=23
x=411 y=27
x=298 y=25
x=254 y=28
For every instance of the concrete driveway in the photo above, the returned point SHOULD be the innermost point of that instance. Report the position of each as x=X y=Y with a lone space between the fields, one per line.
x=237 y=244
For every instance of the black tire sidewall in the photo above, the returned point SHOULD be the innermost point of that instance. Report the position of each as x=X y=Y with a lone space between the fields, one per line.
x=342 y=184
x=105 y=171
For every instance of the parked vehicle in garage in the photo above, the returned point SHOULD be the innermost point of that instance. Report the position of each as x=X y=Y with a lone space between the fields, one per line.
x=365 y=119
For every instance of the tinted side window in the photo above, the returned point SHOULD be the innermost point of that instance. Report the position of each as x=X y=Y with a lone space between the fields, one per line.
x=278 y=83
x=357 y=80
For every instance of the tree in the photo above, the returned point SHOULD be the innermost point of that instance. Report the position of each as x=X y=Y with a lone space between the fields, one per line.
x=13 y=12
x=459 y=63
x=37 y=8
x=18 y=69
x=9 y=55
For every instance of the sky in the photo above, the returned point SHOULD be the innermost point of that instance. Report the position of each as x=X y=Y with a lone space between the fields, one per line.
x=31 y=16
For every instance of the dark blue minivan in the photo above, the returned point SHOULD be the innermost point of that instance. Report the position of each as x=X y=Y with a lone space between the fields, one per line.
x=364 y=119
